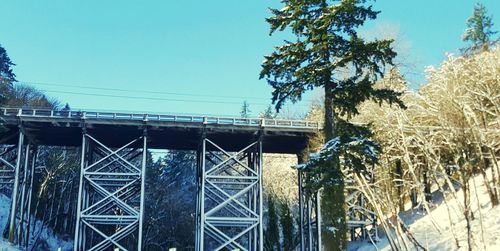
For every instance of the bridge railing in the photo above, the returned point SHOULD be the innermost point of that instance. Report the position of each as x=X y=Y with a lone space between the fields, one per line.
x=211 y=120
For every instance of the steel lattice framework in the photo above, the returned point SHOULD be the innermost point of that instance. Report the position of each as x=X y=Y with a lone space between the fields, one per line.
x=17 y=169
x=310 y=217
x=111 y=194
x=230 y=198
x=8 y=160
x=111 y=191
x=361 y=221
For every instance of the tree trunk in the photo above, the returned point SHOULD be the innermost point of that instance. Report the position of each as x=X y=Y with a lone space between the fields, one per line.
x=413 y=197
x=399 y=184
x=467 y=213
x=491 y=193
x=495 y=164
x=465 y=176
x=333 y=212
x=427 y=184
x=329 y=113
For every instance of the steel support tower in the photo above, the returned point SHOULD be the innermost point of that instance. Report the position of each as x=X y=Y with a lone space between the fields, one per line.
x=17 y=168
x=309 y=217
x=111 y=195
x=229 y=197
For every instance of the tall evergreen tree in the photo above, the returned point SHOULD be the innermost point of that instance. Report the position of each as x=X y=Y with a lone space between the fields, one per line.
x=327 y=42
x=287 y=227
x=245 y=110
x=272 y=239
x=7 y=76
x=479 y=31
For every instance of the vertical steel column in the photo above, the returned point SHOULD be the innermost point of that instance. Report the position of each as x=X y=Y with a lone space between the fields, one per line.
x=309 y=223
x=261 y=221
x=252 y=202
x=77 y=240
x=198 y=196
x=30 y=195
x=12 y=221
x=301 y=210
x=23 y=194
x=318 y=219
x=143 y=189
x=202 y=196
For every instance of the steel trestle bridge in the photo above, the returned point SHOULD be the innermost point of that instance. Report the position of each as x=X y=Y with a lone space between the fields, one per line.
x=229 y=209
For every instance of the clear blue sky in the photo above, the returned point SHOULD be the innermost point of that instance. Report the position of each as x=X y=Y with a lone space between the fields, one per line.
x=210 y=50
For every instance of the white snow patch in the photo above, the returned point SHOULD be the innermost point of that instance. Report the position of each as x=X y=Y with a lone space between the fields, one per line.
x=332 y=229
x=5 y=246
x=423 y=229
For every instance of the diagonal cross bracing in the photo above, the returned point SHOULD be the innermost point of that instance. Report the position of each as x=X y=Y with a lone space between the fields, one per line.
x=111 y=195
x=7 y=166
x=230 y=196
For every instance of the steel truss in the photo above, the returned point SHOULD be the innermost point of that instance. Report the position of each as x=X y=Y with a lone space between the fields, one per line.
x=17 y=168
x=229 y=203
x=111 y=195
x=361 y=221
x=8 y=161
x=310 y=217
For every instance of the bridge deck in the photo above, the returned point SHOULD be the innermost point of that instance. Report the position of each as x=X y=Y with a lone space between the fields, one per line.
x=64 y=128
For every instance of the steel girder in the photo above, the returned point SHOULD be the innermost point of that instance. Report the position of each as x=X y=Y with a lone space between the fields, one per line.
x=111 y=195
x=229 y=203
x=310 y=217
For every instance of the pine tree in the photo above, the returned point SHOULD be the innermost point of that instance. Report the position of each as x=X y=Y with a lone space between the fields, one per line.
x=287 y=227
x=268 y=113
x=245 y=110
x=272 y=238
x=479 y=30
x=326 y=43
x=6 y=75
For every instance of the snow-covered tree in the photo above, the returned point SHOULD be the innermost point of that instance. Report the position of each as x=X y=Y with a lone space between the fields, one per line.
x=479 y=32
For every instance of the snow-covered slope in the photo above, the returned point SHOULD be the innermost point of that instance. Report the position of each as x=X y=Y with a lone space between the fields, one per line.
x=52 y=242
x=445 y=224
x=4 y=214
x=5 y=246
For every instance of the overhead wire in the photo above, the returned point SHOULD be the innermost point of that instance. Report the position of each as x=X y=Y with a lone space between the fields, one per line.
x=148 y=92
x=177 y=100
x=141 y=91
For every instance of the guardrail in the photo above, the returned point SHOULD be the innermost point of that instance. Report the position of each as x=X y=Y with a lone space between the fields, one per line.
x=208 y=120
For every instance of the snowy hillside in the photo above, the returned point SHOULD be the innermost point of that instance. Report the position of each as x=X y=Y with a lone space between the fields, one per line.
x=4 y=215
x=5 y=246
x=445 y=224
x=45 y=240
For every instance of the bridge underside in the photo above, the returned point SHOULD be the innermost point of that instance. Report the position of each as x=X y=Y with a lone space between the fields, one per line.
x=113 y=168
x=176 y=138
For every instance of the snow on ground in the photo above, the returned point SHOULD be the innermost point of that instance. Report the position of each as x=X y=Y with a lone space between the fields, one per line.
x=4 y=214
x=443 y=235
x=45 y=234
x=5 y=246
